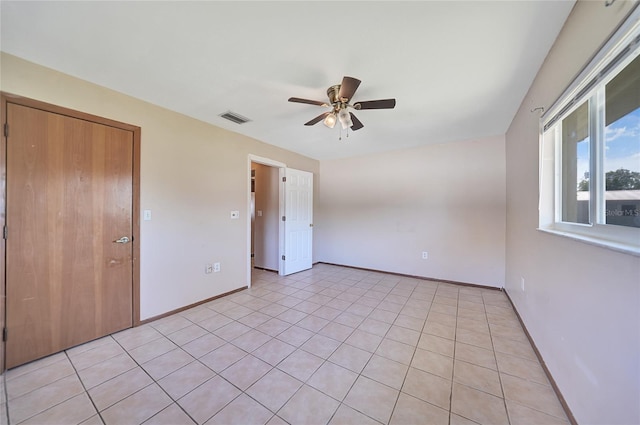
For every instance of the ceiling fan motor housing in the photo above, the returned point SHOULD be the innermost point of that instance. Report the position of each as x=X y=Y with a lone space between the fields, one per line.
x=332 y=93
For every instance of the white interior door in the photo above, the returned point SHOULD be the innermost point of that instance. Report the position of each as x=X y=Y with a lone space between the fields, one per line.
x=297 y=221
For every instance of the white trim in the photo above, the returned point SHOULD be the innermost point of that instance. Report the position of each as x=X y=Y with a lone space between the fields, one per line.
x=265 y=161
x=616 y=246
x=282 y=173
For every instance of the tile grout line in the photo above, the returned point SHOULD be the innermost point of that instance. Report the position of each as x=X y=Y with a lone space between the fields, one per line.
x=75 y=373
x=311 y=376
x=303 y=382
x=341 y=402
x=414 y=350
x=342 y=342
x=494 y=357
x=504 y=396
x=86 y=391
x=153 y=382
x=453 y=365
x=372 y=354
x=229 y=366
x=43 y=386
x=380 y=286
x=538 y=361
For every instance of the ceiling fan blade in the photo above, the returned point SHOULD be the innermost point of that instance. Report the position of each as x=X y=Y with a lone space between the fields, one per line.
x=310 y=102
x=348 y=87
x=317 y=119
x=357 y=125
x=376 y=104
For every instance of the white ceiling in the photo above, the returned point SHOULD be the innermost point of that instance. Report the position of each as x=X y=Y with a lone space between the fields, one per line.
x=458 y=69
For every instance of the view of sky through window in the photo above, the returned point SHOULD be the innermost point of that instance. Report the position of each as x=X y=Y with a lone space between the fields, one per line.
x=622 y=143
x=622 y=147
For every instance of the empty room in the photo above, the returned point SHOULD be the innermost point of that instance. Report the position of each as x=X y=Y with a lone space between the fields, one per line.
x=320 y=212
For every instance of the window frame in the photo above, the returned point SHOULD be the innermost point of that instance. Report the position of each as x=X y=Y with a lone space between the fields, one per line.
x=588 y=87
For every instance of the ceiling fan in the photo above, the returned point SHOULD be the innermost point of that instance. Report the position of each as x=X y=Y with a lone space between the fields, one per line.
x=339 y=97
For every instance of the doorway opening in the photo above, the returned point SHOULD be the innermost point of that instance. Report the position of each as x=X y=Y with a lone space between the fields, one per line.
x=265 y=202
x=264 y=217
x=278 y=198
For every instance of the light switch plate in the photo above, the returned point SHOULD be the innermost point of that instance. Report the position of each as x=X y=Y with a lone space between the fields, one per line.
x=146 y=215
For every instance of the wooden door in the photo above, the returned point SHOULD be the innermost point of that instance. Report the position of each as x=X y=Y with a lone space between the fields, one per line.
x=69 y=197
x=298 y=224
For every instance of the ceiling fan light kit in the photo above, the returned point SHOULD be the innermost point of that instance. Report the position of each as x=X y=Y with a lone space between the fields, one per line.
x=345 y=119
x=330 y=120
x=339 y=97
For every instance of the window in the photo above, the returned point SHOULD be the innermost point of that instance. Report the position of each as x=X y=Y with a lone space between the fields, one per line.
x=622 y=147
x=590 y=149
x=575 y=165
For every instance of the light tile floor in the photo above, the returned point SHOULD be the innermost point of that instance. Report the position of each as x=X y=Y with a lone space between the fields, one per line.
x=331 y=345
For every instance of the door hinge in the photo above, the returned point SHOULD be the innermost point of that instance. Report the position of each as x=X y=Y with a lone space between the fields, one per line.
x=4 y=334
x=284 y=180
x=6 y=129
x=284 y=218
x=283 y=258
x=5 y=232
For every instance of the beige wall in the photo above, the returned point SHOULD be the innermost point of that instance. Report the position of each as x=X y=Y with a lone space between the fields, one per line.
x=581 y=303
x=382 y=211
x=192 y=176
x=266 y=225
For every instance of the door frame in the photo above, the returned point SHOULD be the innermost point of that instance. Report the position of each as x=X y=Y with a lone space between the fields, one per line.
x=281 y=166
x=5 y=100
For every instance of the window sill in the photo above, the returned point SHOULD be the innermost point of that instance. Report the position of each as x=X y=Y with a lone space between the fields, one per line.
x=591 y=240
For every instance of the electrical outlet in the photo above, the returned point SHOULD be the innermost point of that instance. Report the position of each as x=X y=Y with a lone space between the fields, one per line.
x=425 y=255
x=522 y=283
x=208 y=268
x=216 y=267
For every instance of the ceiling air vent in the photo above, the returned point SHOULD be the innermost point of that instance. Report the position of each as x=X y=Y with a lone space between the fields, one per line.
x=236 y=118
